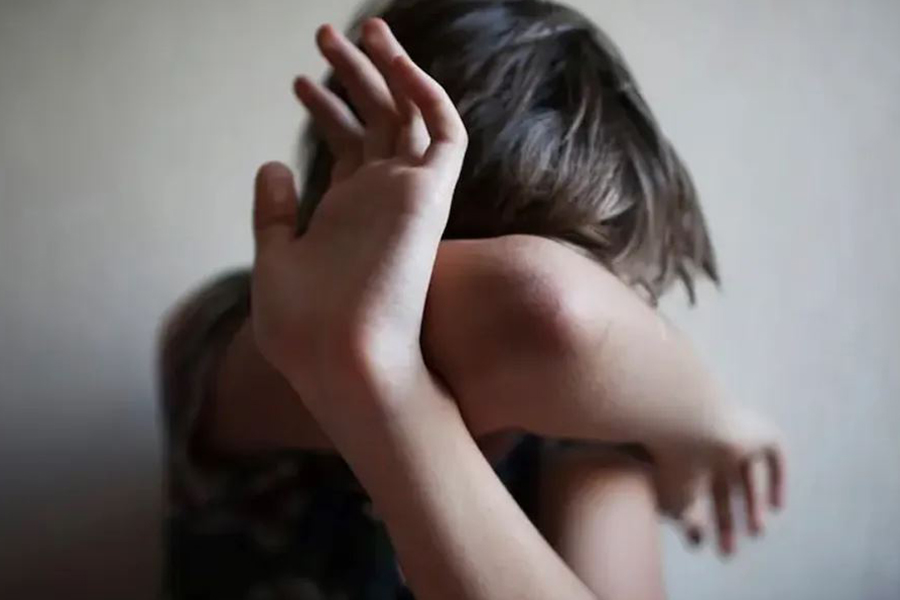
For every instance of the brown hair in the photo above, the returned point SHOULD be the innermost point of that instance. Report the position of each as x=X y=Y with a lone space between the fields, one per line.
x=561 y=142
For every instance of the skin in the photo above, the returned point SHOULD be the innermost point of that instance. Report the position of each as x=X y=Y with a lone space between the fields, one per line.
x=597 y=511
x=352 y=352
x=496 y=306
x=366 y=330
x=512 y=322
x=702 y=443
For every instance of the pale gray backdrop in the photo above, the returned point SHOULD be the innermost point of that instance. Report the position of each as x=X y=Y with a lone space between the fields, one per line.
x=129 y=134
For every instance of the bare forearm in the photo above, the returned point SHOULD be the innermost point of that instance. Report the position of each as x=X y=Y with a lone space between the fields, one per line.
x=626 y=376
x=254 y=408
x=583 y=359
x=572 y=352
x=457 y=531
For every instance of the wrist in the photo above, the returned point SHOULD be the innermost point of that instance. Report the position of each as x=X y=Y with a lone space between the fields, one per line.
x=355 y=360
x=705 y=431
x=359 y=406
x=396 y=446
x=401 y=440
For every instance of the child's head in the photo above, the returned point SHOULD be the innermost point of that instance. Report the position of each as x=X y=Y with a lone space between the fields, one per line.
x=561 y=142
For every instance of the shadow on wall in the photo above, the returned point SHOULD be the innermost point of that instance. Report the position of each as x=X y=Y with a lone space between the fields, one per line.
x=94 y=533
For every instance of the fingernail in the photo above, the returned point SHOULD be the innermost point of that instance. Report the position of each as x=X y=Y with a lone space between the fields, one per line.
x=324 y=35
x=694 y=536
x=728 y=544
x=302 y=90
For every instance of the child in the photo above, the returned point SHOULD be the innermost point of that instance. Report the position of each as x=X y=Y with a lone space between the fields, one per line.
x=527 y=334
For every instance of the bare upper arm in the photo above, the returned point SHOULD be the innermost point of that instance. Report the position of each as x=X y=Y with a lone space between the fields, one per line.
x=597 y=509
x=509 y=321
x=486 y=309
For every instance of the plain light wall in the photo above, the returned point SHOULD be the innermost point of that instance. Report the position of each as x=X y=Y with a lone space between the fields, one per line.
x=129 y=135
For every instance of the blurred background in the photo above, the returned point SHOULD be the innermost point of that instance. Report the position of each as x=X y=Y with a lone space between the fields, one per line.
x=129 y=135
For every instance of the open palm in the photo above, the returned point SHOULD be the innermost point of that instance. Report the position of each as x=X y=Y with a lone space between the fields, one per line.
x=352 y=289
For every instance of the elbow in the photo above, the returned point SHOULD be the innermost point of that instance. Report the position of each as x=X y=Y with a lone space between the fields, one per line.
x=505 y=304
x=539 y=301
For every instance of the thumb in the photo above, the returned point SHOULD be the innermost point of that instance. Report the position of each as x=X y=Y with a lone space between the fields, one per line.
x=274 y=205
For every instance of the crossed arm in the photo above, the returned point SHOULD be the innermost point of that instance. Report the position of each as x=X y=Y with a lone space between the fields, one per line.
x=457 y=531
x=560 y=347
x=528 y=334
x=497 y=310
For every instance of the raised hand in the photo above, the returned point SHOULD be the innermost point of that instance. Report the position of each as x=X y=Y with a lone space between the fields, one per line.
x=341 y=307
